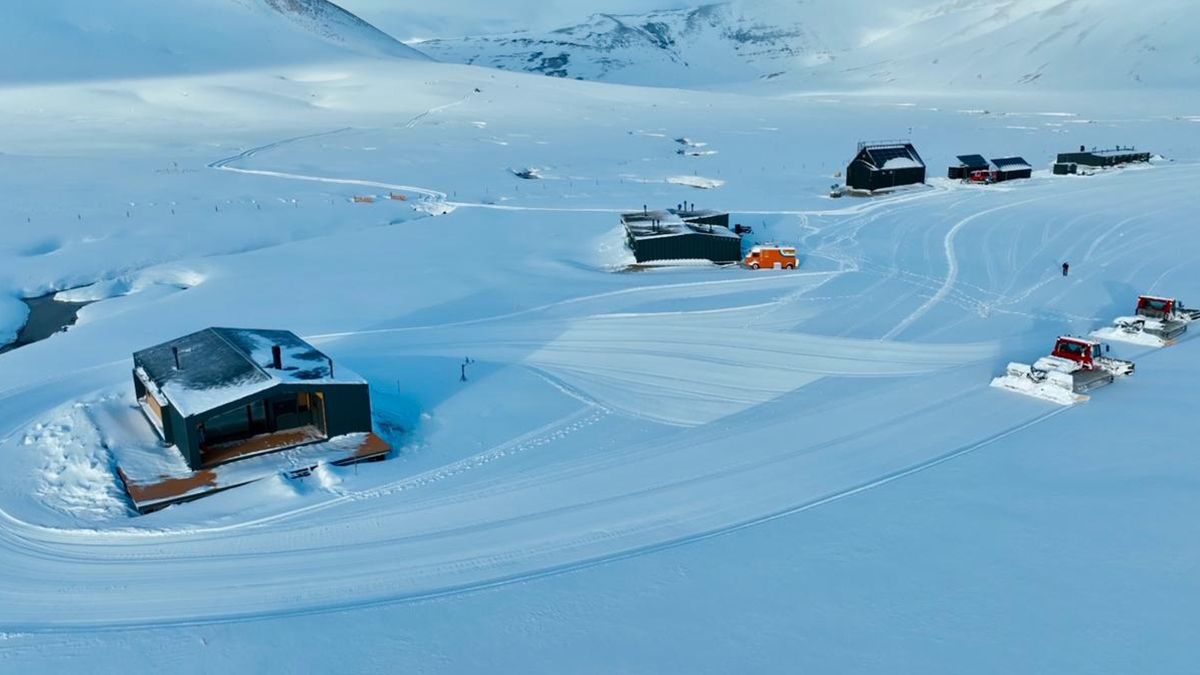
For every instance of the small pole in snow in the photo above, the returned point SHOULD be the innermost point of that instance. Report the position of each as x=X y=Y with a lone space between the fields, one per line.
x=463 y=376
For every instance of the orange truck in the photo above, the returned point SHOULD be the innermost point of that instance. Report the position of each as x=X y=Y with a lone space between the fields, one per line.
x=772 y=257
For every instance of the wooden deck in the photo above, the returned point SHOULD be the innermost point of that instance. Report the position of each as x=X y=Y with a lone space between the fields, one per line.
x=151 y=493
x=257 y=445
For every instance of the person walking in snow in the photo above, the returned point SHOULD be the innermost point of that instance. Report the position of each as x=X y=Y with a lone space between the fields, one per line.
x=1066 y=268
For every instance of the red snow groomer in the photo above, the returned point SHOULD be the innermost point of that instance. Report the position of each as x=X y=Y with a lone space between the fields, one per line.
x=1075 y=367
x=1157 y=322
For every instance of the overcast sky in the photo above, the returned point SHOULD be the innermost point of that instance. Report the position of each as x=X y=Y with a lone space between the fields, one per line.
x=408 y=19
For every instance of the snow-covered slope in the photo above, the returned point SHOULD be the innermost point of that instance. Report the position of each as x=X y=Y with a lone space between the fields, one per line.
x=995 y=44
x=711 y=43
x=73 y=39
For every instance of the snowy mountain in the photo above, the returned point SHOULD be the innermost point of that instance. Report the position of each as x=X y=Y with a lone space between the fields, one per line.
x=711 y=43
x=70 y=39
x=1047 y=44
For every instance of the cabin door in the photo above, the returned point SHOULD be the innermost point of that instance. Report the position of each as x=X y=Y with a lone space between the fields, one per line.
x=318 y=412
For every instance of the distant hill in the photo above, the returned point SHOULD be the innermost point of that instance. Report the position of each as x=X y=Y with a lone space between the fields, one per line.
x=935 y=44
x=60 y=40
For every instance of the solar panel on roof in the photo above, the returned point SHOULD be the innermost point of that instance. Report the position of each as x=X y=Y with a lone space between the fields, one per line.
x=880 y=156
x=973 y=161
x=1011 y=163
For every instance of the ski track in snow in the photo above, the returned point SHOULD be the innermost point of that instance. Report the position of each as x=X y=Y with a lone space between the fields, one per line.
x=470 y=534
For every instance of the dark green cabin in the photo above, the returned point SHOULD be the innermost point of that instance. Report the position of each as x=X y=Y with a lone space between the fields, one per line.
x=1104 y=158
x=666 y=236
x=226 y=393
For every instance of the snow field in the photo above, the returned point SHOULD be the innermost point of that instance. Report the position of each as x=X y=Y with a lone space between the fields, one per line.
x=610 y=419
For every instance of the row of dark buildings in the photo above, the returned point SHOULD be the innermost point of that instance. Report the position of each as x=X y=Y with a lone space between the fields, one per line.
x=884 y=165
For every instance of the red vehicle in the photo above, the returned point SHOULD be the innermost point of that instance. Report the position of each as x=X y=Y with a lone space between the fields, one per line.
x=1081 y=351
x=1076 y=366
x=983 y=177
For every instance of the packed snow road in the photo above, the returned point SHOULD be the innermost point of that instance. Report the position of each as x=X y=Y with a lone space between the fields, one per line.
x=663 y=408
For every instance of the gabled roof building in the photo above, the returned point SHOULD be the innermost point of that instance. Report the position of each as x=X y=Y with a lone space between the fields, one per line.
x=883 y=165
x=1011 y=168
x=967 y=165
x=222 y=394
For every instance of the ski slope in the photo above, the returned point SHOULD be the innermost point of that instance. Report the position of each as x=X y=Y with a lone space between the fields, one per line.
x=677 y=470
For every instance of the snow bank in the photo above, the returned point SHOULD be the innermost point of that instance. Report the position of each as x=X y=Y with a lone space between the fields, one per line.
x=178 y=277
x=696 y=182
x=77 y=477
x=13 y=314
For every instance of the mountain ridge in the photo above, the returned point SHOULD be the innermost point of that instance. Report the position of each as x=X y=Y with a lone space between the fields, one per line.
x=993 y=44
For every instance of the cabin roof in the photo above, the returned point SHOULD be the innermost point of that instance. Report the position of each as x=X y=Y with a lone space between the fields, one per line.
x=218 y=366
x=1012 y=164
x=892 y=156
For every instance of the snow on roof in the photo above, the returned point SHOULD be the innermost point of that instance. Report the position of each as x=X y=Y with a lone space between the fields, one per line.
x=896 y=156
x=902 y=163
x=698 y=213
x=654 y=224
x=648 y=217
x=1116 y=151
x=218 y=366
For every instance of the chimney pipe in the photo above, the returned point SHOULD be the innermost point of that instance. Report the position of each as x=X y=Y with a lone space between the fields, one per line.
x=175 y=353
x=330 y=367
x=277 y=357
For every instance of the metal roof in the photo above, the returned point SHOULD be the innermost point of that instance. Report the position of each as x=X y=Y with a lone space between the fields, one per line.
x=973 y=161
x=223 y=365
x=879 y=155
x=1012 y=164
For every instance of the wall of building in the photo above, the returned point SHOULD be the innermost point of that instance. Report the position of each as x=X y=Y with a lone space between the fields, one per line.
x=347 y=411
x=688 y=247
x=860 y=176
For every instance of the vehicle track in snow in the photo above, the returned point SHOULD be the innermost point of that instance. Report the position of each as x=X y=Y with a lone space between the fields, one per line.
x=403 y=544
x=51 y=557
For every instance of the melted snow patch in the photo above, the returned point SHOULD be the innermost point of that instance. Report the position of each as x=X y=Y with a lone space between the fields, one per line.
x=76 y=476
x=698 y=182
x=434 y=207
